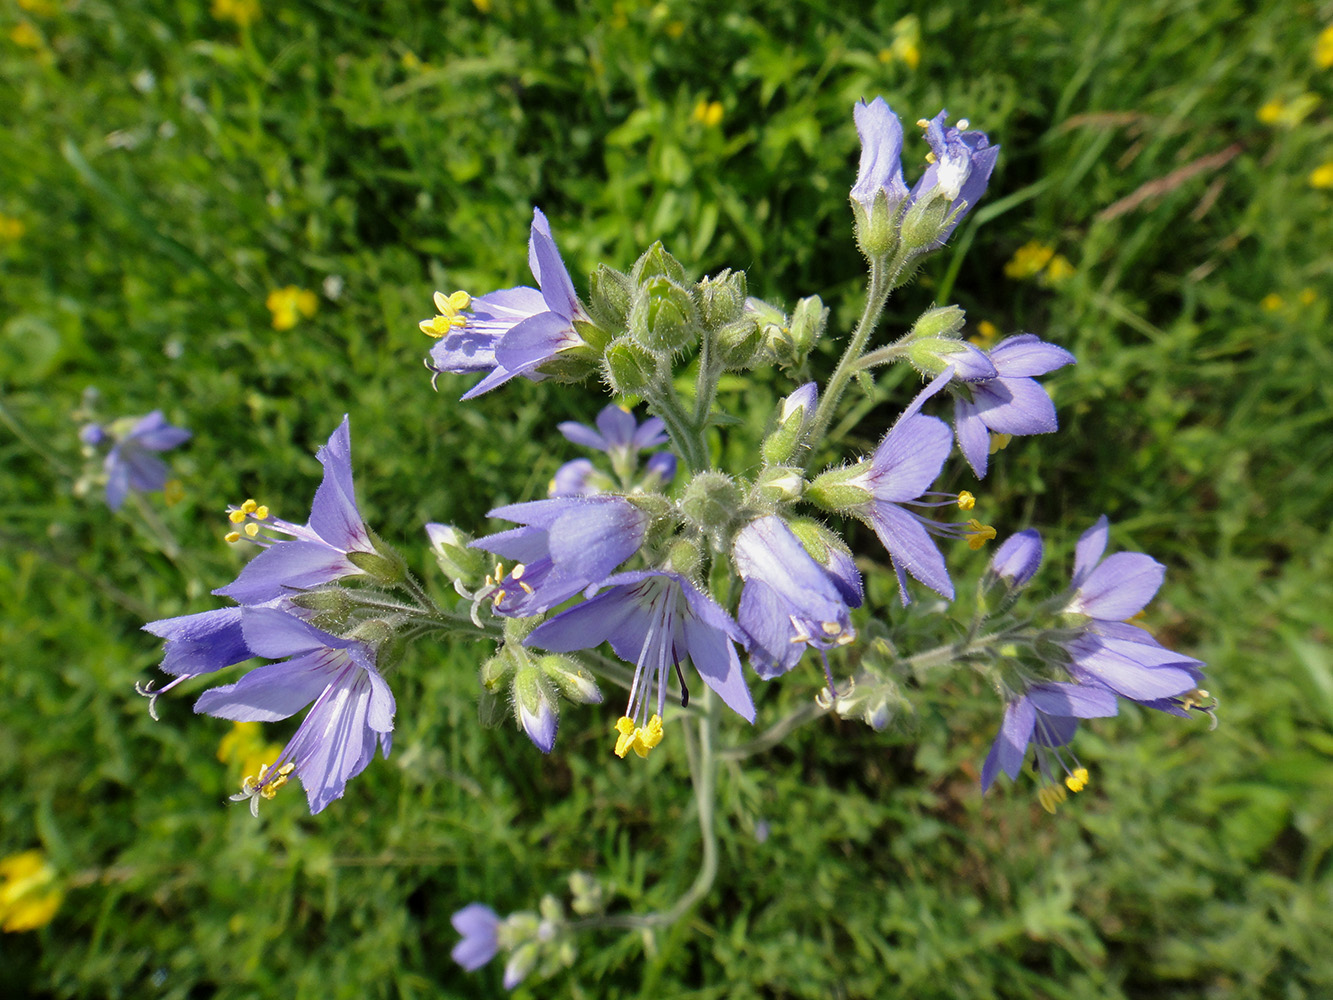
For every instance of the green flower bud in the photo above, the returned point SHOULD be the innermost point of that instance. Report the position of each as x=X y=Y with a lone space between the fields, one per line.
x=663 y=318
x=739 y=344
x=808 y=320
x=535 y=707
x=722 y=298
x=573 y=681
x=711 y=503
x=684 y=557
x=384 y=565
x=586 y=894
x=628 y=368
x=780 y=484
x=450 y=548
x=331 y=601
x=794 y=417
x=374 y=633
x=944 y=321
x=495 y=671
x=835 y=490
x=656 y=262
x=924 y=221
x=611 y=295
x=877 y=230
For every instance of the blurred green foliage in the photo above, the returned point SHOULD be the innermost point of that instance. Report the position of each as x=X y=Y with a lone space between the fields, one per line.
x=163 y=169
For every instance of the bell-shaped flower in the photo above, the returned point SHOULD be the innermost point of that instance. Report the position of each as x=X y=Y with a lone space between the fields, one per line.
x=563 y=547
x=789 y=601
x=352 y=705
x=335 y=542
x=655 y=620
x=480 y=928
x=510 y=332
x=1012 y=403
x=959 y=171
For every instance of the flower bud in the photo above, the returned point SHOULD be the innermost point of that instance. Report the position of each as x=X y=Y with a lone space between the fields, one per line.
x=586 y=894
x=384 y=565
x=656 y=262
x=926 y=222
x=610 y=298
x=876 y=227
x=628 y=367
x=794 y=417
x=684 y=557
x=721 y=298
x=496 y=670
x=834 y=490
x=808 y=320
x=535 y=707
x=740 y=344
x=450 y=548
x=780 y=484
x=931 y=355
x=944 y=321
x=711 y=503
x=573 y=681
x=663 y=318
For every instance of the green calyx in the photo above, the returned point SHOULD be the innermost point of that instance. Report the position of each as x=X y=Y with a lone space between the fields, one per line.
x=664 y=318
x=836 y=492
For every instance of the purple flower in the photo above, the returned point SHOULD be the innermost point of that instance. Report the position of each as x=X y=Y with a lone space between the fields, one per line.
x=617 y=432
x=654 y=619
x=353 y=706
x=1018 y=558
x=479 y=926
x=899 y=475
x=510 y=332
x=201 y=643
x=960 y=170
x=563 y=547
x=1012 y=402
x=881 y=166
x=130 y=465
x=789 y=601
x=327 y=548
x=578 y=478
x=621 y=438
x=1047 y=714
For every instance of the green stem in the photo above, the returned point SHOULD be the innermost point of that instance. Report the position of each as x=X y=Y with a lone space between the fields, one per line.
x=705 y=387
x=881 y=283
x=685 y=435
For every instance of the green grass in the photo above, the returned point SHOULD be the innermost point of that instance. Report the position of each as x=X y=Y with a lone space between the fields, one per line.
x=170 y=170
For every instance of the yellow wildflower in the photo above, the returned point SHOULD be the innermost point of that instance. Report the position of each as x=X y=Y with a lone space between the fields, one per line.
x=42 y=8
x=708 y=112
x=240 y=12
x=29 y=891
x=11 y=229
x=1058 y=269
x=986 y=335
x=25 y=36
x=1322 y=175
x=1308 y=296
x=905 y=47
x=1029 y=260
x=484 y=6
x=1288 y=113
x=1323 y=48
x=1271 y=302
x=289 y=304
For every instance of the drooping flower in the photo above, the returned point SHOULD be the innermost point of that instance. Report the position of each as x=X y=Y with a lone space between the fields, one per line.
x=479 y=926
x=352 y=711
x=130 y=465
x=563 y=547
x=654 y=619
x=1012 y=403
x=898 y=476
x=881 y=169
x=789 y=601
x=335 y=542
x=513 y=331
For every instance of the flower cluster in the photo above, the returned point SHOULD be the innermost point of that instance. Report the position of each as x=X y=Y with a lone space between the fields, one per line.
x=325 y=656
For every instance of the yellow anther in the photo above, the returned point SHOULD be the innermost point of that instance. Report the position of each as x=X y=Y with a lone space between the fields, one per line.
x=498 y=597
x=499 y=571
x=966 y=501
x=998 y=442
x=830 y=628
x=922 y=122
x=930 y=157
x=1078 y=780
x=261 y=512
x=249 y=507
x=526 y=588
x=287 y=769
x=517 y=572
x=640 y=739
x=1050 y=796
x=963 y=123
x=846 y=639
x=252 y=529
x=232 y=536
x=236 y=516
x=450 y=318
x=979 y=535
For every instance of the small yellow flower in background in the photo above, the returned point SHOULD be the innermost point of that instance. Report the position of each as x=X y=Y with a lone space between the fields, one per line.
x=675 y=29
x=1271 y=302
x=244 y=747
x=29 y=891
x=906 y=44
x=1059 y=269
x=1288 y=113
x=1308 y=297
x=11 y=229
x=986 y=335
x=25 y=36
x=42 y=8
x=241 y=12
x=1322 y=175
x=1323 y=48
x=708 y=112
x=482 y=5
x=1028 y=260
x=289 y=304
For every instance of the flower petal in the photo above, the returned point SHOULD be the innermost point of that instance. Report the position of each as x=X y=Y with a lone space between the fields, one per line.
x=1120 y=587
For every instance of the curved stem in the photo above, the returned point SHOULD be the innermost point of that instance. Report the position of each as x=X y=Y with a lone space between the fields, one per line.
x=685 y=435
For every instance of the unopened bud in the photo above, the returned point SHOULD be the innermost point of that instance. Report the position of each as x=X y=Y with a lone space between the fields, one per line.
x=837 y=491
x=628 y=367
x=611 y=295
x=721 y=298
x=573 y=681
x=780 y=484
x=450 y=548
x=656 y=262
x=794 y=417
x=944 y=321
x=740 y=344
x=663 y=318
x=535 y=707
x=711 y=502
